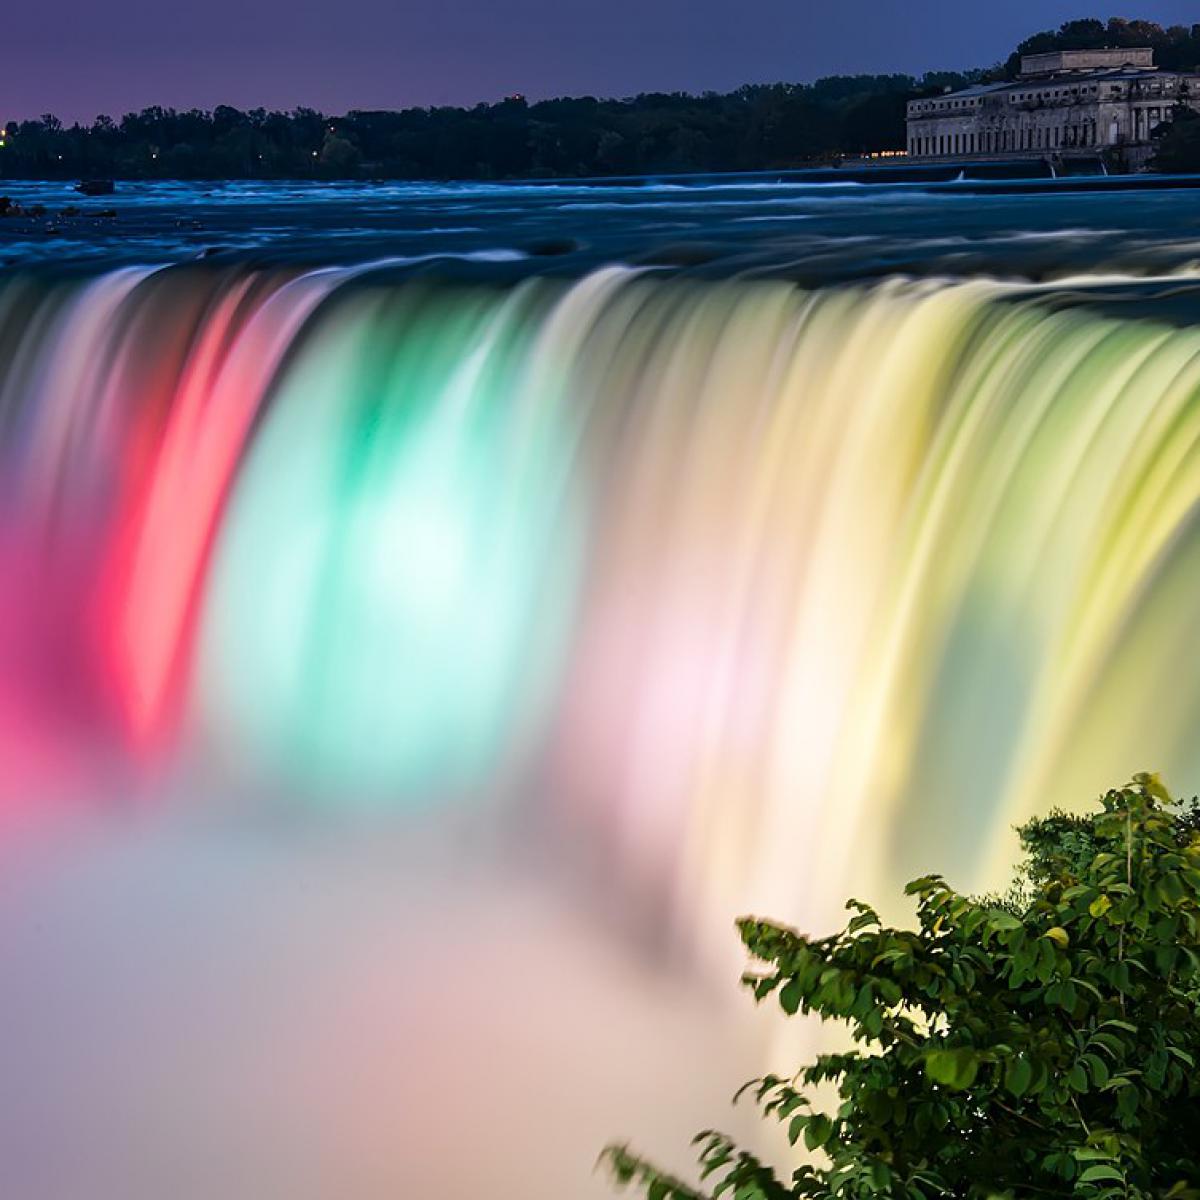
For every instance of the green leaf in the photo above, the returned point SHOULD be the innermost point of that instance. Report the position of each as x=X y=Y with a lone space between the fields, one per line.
x=1018 y=1076
x=796 y=1127
x=1003 y=921
x=819 y=1131
x=1097 y=1068
x=1101 y=1174
x=955 y=1069
x=790 y=997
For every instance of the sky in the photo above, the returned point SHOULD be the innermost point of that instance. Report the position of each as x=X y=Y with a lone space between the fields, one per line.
x=78 y=58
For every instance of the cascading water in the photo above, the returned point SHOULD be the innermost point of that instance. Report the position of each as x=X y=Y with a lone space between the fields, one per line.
x=766 y=594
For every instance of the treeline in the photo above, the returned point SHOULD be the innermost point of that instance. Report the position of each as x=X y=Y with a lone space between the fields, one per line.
x=760 y=127
x=755 y=127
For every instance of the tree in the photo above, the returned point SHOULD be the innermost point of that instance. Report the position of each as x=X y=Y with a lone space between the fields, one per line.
x=875 y=122
x=1178 y=149
x=1176 y=48
x=339 y=153
x=1043 y=1043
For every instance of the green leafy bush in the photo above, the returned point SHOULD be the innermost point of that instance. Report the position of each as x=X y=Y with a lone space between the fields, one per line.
x=1041 y=1044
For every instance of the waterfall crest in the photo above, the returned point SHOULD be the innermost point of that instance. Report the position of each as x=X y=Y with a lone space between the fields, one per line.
x=764 y=594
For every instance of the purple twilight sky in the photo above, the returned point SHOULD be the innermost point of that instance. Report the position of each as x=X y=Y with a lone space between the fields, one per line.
x=82 y=57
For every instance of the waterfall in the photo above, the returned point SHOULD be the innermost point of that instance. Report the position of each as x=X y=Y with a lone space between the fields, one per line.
x=764 y=595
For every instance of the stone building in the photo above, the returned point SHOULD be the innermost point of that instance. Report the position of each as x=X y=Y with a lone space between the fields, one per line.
x=1065 y=104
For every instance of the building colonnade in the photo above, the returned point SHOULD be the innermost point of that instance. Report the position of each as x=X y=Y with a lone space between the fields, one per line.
x=1000 y=141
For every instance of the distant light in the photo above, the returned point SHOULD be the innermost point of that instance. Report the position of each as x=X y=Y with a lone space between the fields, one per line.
x=314 y=154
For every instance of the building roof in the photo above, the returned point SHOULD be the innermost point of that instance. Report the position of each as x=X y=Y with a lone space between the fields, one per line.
x=1044 y=82
x=1055 y=62
x=978 y=89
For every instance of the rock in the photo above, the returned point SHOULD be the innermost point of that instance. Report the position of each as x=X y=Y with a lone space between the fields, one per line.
x=95 y=187
x=682 y=254
x=548 y=247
